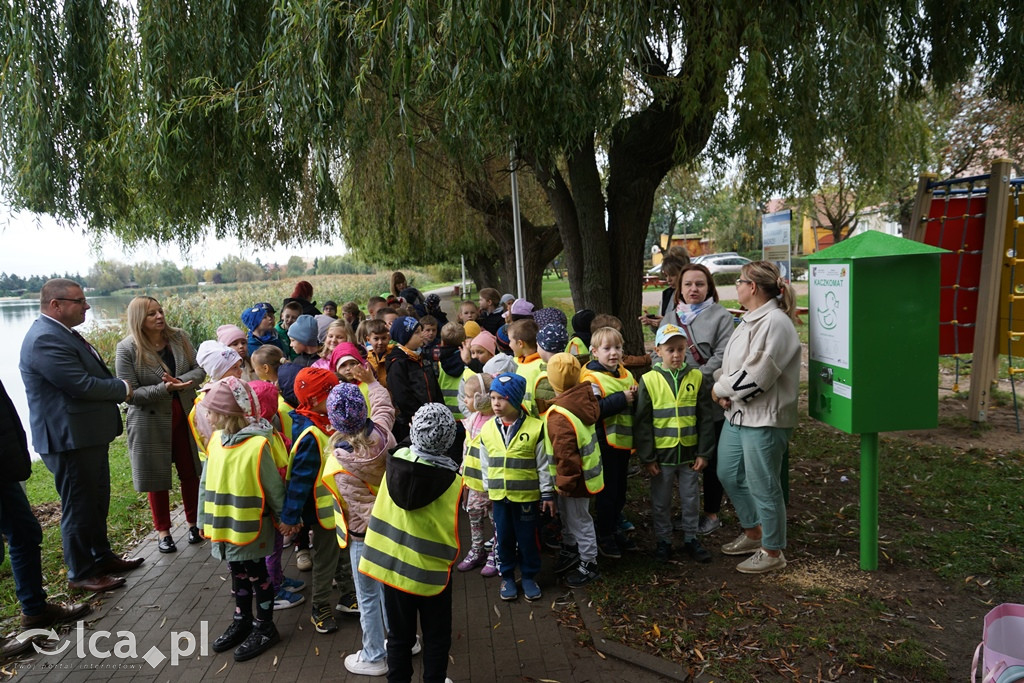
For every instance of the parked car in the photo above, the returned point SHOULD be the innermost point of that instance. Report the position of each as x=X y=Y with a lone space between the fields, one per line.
x=724 y=263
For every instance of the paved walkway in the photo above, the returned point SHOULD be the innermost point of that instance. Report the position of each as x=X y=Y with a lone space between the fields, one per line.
x=173 y=598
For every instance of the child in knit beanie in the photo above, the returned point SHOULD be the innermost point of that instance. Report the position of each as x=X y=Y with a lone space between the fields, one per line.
x=474 y=401
x=354 y=473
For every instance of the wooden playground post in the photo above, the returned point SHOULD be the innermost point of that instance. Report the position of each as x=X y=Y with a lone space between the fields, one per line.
x=921 y=205
x=986 y=341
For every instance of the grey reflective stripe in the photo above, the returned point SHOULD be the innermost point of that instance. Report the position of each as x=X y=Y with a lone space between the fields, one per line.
x=220 y=498
x=409 y=571
x=472 y=472
x=242 y=527
x=504 y=462
x=513 y=484
x=618 y=428
x=588 y=448
x=664 y=412
x=592 y=473
x=671 y=412
x=454 y=393
x=673 y=431
x=422 y=546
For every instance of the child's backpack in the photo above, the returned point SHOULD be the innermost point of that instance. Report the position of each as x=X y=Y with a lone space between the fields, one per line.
x=1002 y=646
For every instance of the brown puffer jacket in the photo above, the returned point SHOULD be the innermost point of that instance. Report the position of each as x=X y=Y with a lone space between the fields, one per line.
x=581 y=402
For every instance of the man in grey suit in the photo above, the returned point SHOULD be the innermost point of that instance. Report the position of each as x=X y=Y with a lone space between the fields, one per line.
x=72 y=399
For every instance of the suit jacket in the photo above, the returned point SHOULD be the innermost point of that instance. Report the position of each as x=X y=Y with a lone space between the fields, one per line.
x=72 y=397
x=19 y=466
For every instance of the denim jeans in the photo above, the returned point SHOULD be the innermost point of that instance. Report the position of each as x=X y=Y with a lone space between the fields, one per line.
x=516 y=525
x=750 y=469
x=370 y=596
x=25 y=537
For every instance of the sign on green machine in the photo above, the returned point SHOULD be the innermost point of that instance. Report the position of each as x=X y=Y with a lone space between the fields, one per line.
x=873 y=347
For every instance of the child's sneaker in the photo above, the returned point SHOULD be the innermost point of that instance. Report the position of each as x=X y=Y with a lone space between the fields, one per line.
x=234 y=636
x=417 y=647
x=474 y=558
x=708 y=524
x=663 y=552
x=584 y=573
x=294 y=585
x=286 y=599
x=348 y=603
x=508 y=589
x=355 y=664
x=264 y=635
x=531 y=591
x=568 y=558
x=303 y=560
x=625 y=526
x=607 y=546
x=323 y=619
x=697 y=551
x=490 y=567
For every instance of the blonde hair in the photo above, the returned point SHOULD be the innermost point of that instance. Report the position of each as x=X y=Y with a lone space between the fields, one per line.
x=229 y=424
x=602 y=334
x=268 y=354
x=138 y=308
x=358 y=442
x=453 y=334
x=766 y=276
x=338 y=324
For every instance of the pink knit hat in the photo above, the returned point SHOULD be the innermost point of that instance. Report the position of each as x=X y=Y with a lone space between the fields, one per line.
x=266 y=392
x=229 y=334
x=485 y=340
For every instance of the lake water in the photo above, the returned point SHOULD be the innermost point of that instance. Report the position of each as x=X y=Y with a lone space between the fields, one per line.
x=17 y=316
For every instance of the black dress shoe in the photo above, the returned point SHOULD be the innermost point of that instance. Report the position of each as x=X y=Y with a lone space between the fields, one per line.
x=263 y=636
x=55 y=614
x=166 y=545
x=194 y=535
x=119 y=565
x=234 y=636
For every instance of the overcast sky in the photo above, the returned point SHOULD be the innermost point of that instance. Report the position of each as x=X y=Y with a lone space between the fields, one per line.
x=36 y=245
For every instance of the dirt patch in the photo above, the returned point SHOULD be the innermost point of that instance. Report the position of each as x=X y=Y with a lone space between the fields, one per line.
x=48 y=514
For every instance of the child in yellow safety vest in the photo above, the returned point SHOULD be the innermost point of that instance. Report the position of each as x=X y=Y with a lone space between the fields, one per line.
x=674 y=433
x=475 y=403
x=240 y=494
x=286 y=589
x=219 y=361
x=522 y=337
x=616 y=390
x=571 y=442
x=306 y=498
x=354 y=473
x=412 y=541
x=514 y=466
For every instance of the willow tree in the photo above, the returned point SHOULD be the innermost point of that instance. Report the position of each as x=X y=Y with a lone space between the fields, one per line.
x=245 y=116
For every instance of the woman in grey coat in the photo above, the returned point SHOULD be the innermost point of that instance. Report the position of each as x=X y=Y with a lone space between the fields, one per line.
x=159 y=363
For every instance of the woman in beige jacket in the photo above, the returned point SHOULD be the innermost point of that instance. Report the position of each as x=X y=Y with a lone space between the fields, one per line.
x=758 y=387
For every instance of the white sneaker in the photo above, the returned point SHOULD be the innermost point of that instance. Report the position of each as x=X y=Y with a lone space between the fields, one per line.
x=761 y=563
x=303 y=560
x=355 y=664
x=416 y=648
x=741 y=546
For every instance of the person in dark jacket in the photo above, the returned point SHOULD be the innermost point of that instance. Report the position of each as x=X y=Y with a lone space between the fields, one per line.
x=22 y=531
x=303 y=294
x=411 y=378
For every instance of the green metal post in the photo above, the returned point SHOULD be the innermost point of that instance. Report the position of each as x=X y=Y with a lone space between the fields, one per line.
x=869 y=501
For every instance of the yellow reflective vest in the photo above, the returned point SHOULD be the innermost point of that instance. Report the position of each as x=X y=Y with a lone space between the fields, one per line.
x=472 y=473
x=332 y=468
x=196 y=436
x=675 y=412
x=586 y=442
x=450 y=389
x=323 y=499
x=512 y=471
x=530 y=371
x=234 y=502
x=618 y=429
x=284 y=414
x=413 y=550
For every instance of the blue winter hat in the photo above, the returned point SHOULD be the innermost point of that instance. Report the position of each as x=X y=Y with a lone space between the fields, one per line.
x=511 y=386
x=547 y=316
x=254 y=315
x=502 y=340
x=286 y=382
x=553 y=338
x=403 y=328
x=304 y=330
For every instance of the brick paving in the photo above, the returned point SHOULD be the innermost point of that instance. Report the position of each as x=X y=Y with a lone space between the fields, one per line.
x=188 y=592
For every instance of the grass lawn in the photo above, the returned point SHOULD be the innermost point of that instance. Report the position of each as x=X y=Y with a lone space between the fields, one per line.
x=128 y=522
